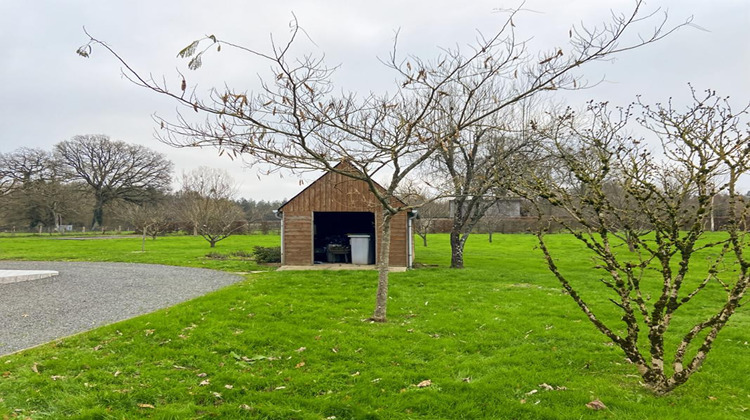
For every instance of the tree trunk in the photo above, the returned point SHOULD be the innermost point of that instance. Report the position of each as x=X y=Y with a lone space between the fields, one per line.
x=457 y=249
x=490 y=236
x=143 y=239
x=98 y=213
x=424 y=240
x=381 y=297
x=213 y=243
x=58 y=220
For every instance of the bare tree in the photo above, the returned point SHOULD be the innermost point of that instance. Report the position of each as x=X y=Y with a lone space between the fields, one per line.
x=25 y=164
x=496 y=217
x=42 y=194
x=667 y=269
x=206 y=203
x=114 y=170
x=473 y=171
x=19 y=166
x=151 y=219
x=429 y=203
x=6 y=183
x=299 y=121
x=428 y=214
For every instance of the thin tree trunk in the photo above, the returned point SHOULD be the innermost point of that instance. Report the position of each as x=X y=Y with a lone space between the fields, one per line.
x=381 y=297
x=457 y=249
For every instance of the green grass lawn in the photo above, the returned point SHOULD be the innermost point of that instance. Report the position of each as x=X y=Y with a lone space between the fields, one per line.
x=189 y=251
x=294 y=345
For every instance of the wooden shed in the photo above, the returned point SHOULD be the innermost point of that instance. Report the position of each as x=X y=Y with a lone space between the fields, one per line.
x=336 y=215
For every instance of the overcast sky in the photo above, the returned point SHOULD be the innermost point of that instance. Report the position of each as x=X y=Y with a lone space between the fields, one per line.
x=49 y=94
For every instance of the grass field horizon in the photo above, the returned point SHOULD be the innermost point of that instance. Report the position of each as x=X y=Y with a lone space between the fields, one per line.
x=496 y=340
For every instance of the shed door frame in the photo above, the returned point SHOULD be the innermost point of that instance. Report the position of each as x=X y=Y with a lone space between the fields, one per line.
x=375 y=231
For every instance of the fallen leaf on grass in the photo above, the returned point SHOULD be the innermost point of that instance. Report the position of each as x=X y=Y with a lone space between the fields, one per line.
x=117 y=373
x=6 y=374
x=227 y=386
x=245 y=407
x=548 y=387
x=424 y=383
x=56 y=377
x=146 y=406
x=202 y=375
x=216 y=394
x=596 y=405
x=712 y=398
x=34 y=368
x=301 y=349
x=299 y=365
x=205 y=382
x=335 y=350
x=149 y=332
x=355 y=373
x=178 y=367
x=279 y=388
x=532 y=392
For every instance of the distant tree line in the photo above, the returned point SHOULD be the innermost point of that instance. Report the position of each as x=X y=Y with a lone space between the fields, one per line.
x=91 y=182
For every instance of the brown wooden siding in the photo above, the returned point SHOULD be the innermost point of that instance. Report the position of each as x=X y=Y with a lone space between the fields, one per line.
x=331 y=193
x=297 y=239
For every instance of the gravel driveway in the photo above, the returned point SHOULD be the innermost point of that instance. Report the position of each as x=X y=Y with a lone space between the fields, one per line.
x=86 y=295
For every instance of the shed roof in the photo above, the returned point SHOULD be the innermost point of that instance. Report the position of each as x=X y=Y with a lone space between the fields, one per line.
x=342 y=166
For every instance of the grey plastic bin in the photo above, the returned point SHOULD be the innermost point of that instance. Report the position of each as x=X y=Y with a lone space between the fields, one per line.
x=360 y=245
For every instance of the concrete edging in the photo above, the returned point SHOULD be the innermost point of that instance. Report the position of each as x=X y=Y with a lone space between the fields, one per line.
x=15 y=276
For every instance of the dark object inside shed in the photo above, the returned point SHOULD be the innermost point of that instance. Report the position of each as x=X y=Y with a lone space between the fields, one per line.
x=330 y=235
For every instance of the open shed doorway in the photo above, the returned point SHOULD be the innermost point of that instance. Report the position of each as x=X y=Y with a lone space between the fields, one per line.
x=332 y=231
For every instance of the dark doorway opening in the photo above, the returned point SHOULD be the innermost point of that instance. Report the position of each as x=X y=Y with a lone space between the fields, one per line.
x=331 y=230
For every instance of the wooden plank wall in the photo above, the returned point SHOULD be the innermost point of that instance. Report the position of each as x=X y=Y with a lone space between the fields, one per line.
x=334 y=192
x=298 y=244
